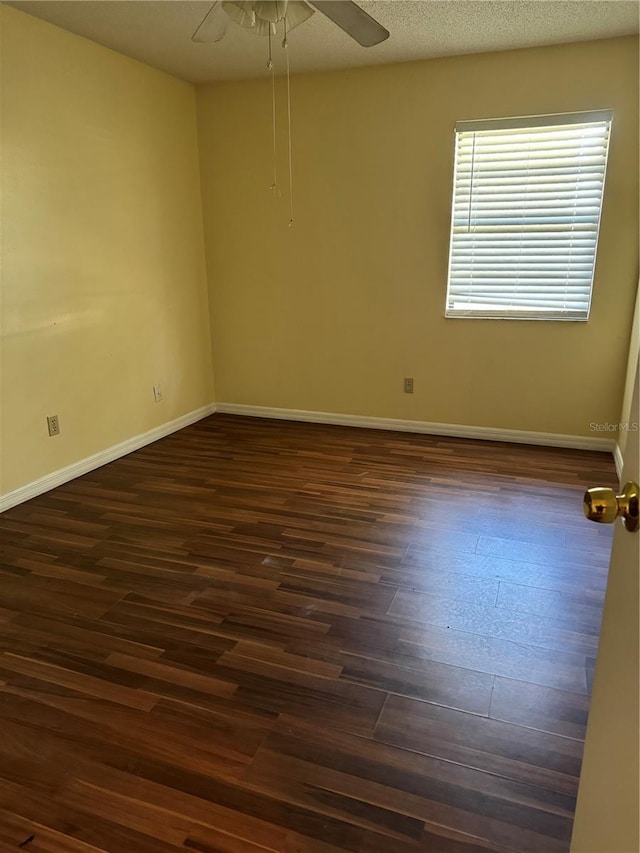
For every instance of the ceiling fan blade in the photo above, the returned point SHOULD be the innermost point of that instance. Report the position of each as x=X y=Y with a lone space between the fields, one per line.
x=353 y=20
x=213 y=26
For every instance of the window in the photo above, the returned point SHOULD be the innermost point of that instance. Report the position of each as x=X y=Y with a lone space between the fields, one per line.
x=527 y=197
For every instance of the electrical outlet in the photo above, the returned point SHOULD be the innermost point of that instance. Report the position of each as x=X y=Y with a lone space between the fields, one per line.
x=408 y=385
x=53 y=425
x=157 y=393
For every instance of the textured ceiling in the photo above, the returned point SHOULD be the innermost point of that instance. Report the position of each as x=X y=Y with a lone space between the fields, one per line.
x=159 y=33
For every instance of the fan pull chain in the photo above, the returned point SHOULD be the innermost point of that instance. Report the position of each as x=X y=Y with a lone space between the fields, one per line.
x=285 y=45
x=275 y=189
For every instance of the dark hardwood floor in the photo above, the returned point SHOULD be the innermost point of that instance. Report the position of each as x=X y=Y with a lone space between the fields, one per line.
x=265 y=636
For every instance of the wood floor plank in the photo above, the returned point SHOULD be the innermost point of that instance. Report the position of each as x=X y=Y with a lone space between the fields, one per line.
x=410 y=572
x=96 y=833
x=584 y=608
x=539 y=631
x=538 y=707
x=562 y=670
x=534 y=553
x=540 y=758
x=455 y=687
x=17 y=832
x=260 y=636
x=301 y=767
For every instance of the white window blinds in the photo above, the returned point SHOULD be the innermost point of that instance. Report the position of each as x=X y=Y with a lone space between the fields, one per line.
x=527 y=197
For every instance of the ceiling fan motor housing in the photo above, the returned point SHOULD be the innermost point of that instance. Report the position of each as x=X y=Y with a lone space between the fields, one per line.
x=262 y=16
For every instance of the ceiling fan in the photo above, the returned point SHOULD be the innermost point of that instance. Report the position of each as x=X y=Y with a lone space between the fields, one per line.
x=262 y=16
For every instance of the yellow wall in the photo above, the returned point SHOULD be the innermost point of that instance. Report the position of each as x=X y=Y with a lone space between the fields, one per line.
x=331 y=314
x=103 y=271
x=103 y=268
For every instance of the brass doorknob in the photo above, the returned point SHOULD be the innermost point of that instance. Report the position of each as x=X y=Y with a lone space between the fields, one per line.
x=604 y=506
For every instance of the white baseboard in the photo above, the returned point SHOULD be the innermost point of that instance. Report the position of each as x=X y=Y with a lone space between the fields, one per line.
x=83 y=466
x=580 y=442
x=90 y=463
x=617 y=458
